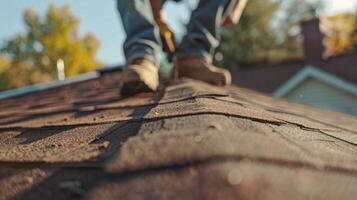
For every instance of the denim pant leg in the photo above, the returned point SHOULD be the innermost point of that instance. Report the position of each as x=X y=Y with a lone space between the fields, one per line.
x=202 y=31
x=143 y=38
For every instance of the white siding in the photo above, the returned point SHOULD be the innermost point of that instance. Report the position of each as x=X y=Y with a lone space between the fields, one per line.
x=320 y=94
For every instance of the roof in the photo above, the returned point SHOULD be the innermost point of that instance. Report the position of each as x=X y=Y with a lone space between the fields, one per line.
x=268 y=78
x=47 y=85
x=313 y=72
x=190 y=140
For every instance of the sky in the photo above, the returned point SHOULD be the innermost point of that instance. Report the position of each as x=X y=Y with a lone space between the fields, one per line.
x=100 y=17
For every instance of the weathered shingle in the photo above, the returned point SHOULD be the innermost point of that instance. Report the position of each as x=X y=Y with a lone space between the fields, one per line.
x=188 y=141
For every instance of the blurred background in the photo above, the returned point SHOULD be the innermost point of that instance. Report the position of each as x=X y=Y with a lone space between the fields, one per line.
x=301 y=50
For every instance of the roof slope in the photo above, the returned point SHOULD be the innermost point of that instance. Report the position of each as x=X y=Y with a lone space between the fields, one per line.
x=188 y=141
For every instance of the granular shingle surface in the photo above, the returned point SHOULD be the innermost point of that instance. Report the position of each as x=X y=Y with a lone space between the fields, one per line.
x=190 y=140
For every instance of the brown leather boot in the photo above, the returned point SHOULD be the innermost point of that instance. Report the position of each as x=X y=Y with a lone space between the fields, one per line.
x=142 y=75
x=200 y=69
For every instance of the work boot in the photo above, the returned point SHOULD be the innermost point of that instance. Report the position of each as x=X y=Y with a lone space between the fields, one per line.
x=142 y=75
x=200 y=69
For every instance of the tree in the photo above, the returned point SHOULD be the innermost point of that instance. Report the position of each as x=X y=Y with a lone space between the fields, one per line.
x=268 y=31
x=47 y=39
x=341 y=34
x=4 y=64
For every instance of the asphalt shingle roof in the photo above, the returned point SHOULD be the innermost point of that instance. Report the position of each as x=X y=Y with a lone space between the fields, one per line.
x=188 y=141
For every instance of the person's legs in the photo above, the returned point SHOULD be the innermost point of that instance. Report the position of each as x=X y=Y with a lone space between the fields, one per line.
x=202 y=31
x=194 y=55
x=142 y=42
x=142 y=34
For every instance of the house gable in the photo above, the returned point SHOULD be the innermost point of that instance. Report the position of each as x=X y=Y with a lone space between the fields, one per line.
x=315 y=87
x=311 y=71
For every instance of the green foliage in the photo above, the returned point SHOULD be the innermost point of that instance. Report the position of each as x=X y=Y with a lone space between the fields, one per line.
x=48 y=38
x=267 y=32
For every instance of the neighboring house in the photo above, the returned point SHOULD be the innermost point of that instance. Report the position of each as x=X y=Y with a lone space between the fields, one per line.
x=329 y=83
x=318 y=88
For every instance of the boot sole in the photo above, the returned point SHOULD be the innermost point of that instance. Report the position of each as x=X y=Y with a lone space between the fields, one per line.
x=134 y=87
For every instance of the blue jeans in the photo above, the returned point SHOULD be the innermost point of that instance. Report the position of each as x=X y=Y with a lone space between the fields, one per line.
x=143 y=39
